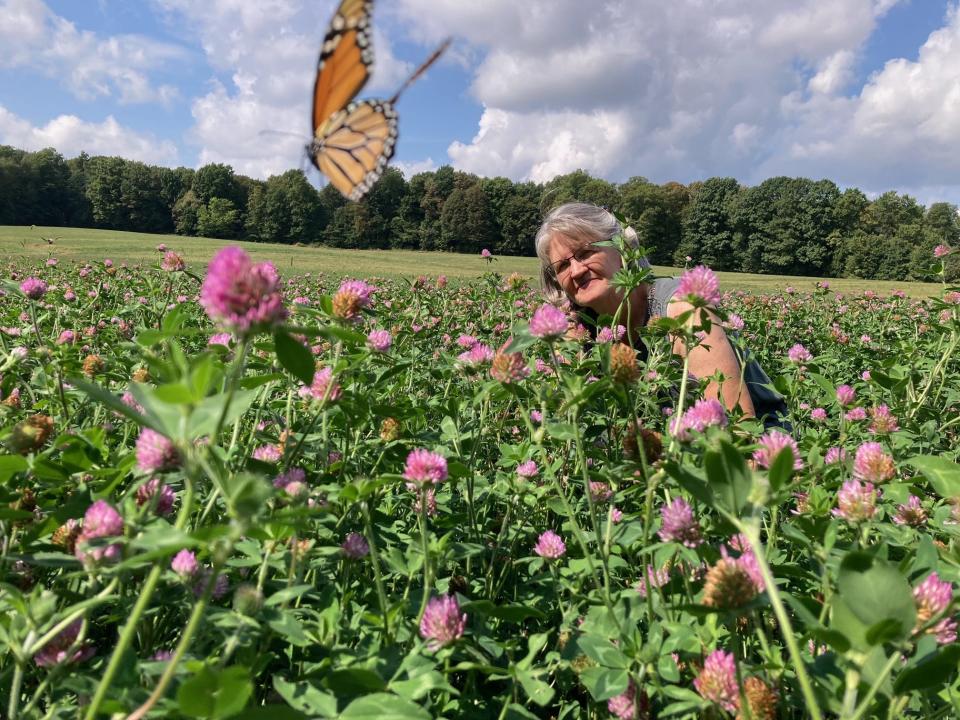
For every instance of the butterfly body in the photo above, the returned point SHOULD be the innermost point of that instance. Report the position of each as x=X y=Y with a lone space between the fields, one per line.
x=352 y=141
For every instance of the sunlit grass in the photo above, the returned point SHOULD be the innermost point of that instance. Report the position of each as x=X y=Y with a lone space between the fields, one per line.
x=83 y=245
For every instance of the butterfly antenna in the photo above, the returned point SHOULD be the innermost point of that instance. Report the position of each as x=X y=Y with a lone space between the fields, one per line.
x=422 y=69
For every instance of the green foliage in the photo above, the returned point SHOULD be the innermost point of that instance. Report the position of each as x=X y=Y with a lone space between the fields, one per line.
x=215 y=180
x=186 y=214
x=791 y=226
x=290 y=614
x=466 y=223
x=708 y=229
x=219 y=218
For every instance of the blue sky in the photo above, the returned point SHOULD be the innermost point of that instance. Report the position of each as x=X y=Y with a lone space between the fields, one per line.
x=859 y=91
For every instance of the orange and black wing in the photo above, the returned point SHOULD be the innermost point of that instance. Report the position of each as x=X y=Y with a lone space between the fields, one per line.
x=345 y=60
x=356 y=146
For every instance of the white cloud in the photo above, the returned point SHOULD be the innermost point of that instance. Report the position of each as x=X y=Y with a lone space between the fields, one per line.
x=902 y=129
x=691 y=89
x=32 y=36
x=833 y=73
x=409 y=169
x=70 y=136
x=270 y=51
x=503 y=146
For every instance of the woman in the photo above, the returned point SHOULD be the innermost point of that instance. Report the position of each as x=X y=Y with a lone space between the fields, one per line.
x=573 y=267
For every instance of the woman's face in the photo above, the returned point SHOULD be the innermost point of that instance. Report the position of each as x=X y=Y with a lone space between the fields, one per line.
x=584 y=271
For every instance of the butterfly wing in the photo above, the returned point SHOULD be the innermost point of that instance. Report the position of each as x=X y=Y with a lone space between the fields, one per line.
x=356 y=146
x=345 y=60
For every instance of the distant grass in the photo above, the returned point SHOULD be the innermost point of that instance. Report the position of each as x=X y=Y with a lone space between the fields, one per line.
x=28 y=244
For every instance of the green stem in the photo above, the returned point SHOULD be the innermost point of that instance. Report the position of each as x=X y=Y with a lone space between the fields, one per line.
x=232 y=387
x=427 y=580
x=577 y=530
x=680 y=402
x=852 y=682
x=786 y=629
x=585 y=473
x=881 y=678
x=15 y=685
x=192 y=624
x=933 y=375
x=377 y=575
x=130 y=627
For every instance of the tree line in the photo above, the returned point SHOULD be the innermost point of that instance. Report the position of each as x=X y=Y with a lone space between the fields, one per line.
x=791 y=226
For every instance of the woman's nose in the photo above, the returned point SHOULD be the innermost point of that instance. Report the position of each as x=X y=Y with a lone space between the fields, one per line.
x=577 y=268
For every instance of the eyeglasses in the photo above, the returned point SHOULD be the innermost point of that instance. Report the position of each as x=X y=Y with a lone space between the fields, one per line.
x=561 y=267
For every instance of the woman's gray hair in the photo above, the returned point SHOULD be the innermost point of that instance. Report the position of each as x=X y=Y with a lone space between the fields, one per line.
x=581 y=222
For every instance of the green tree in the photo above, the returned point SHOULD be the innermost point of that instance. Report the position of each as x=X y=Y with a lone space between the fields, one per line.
x=142 y=200
x=348 y=226
x=104 y=191
x=655 y=212
x=466 y=222
x=219 y=218
x=405 y=225
x=943 y=220
x=498 y=191
x=783 y=225
x=437 y=188
x=520 y=220
x=383 y=203
x=79 y=211
x=579 y=186
x=306 y=211
x=941 y=225
x=216 y=180
x=882 y=257
x=9 y=182
x=888 y=212
x=186 y=214
x=708 y=227
x=47 y=194
x=174 y=183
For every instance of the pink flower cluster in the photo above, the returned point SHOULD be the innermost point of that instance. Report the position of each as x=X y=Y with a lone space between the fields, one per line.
x=717 y=682
x=155 y=490
x=240 y=295
x=100 y=521
x=704 y=413
x=33 y=288
x=355 y=546
x=772 y=443
x=679 y=525
x=379 y=341
x=548 y=322
x=155 y=452
x=700 y=286
x=63 y=647
x=872 y=464
x=442 y=622
x=527 y=469
x=798 y=354
x=476 y=356
x=933 y=597
x=856 y=501
x=425 y=468
x=606 y=335
x=550 y=546
x=323 y=388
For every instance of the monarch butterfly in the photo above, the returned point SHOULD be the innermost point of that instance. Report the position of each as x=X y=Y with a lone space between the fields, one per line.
x=352 y=143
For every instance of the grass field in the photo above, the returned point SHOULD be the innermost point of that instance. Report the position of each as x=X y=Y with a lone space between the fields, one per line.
x=26 y=244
